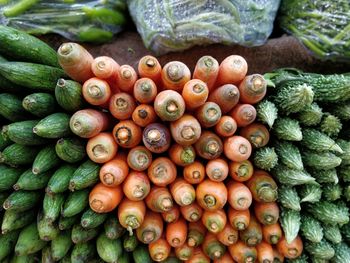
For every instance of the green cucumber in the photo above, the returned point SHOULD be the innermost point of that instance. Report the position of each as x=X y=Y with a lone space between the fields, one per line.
x=45 y=160
x=22 y=200
x=91 y=219
x=59 y=181
x=29 y=241
x=113 y=228
x=83 y=252
x=71 y=149
x=69 y=96
x=8 y=86
x=39 y=104
x=75 y=203
x=53 y=126
x=46 y=255
x=30 y=75
x=86 y=175
x=124 y=258
x=82 y=235
x=47 y=229
x=24 y=47
x=13 y=220
x=17 y=154
x=61 y=245
x=4 y=141
x=32 y=258
x=66 y=258
x=3 y=197
x=141 y=255
x=130 y=242
x=8 y=242
x=109 y=249
x=22 y=133
x=30 y=181
x=65 y=223
x=11 y=107
x=52 y=205
x=8 y=176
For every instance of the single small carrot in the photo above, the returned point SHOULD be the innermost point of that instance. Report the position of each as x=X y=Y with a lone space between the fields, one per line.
x=207 y=70
x=226 y=96
x=277 y=256
x=239 y=195
x=262 y=186
x=76 y=61
x=196 y=233
x=252 y=235
x=145 y=90
x=127 y=134
x=88 y=123
x=156 y=137
x=228 y=235
x=151 y=228
x=169 y=105
x=214 y=221
x=182 y=192
x=198 y=256
x=194 y=173
x=265 y=252
x=211 y=195
x=232 y=70
x=252 y=89
x=241 y=171
x=159 y=199
x=184 y=252
x=121 y=106
x=195 y=93
x=257 y=134
x=126 y=78
x=182 y=155
x=239 y=219
x=114 y=172
x=105 y=67
x=243 y=114
x=237 y=148
x=131 y=214
x=192 y=212
x=136 y=186
x=176 y=233
x=208 y=114
x=103 y=199
x=96 y=91
x=267 y=213
x=272 y=233
x=159 y=250
x=149 y=67
x=139 y=158
x=102 y=147
x=290 y=250
x=241 y=253
x=174 y=75
x=186 y=130
x=217 y=170
x=226 y=258
x=212 y=247
x=143 y=115
x=209 y=146
x=226 y=126
x=171 y=215
x=162 y=171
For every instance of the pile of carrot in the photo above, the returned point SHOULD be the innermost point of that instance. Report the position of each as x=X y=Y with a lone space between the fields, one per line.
x=174 y=149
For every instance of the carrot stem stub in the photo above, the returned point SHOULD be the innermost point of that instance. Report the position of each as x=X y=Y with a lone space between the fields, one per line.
x=127 y=134
x=139 y=158
x=209 y=146
x=169 y=105
x=212 y=247
x=156 y=137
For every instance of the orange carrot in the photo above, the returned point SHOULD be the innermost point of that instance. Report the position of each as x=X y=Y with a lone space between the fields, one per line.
x=159 y=250
x=226 y=96
x=252 y=89
x=171 y=215
x=149 y=67
x=156 y=137
x=104 y=199
x=239 y=196
x=136 y=186
x=244 y=114
x=209 y=146
x=114 y=172
x=159 y=199
x=192 y=212
x=196 y=233
x=237 y=148
x=139 y=158
x=241 y=171
x=145 y=90
x=174 y=75
x=126 y=78
x=211 y=195
x=232 y=70
x=257 y=134
x=291 y=250
x=228 y=235
x=226 y=258
x=226 y=126
x=272 y=233
x=131 y=214
x=212 y=247
x=151 y=229
x=169 y=105
x=186 y=130
x=176 y=233
x=182 y=192
x=208 y=114
x=263 y=187
x=102 y=148
x=239 y=219
x=277 y=256
x=252 y=235
x=195 y=93
x=76 y=61
x=127 y=134
x=207 y=69
x=143 y=115
x=214 y=221
x=162 y=171
x=217 y=170
x=182 y=155
x=266 y=213
x=198 y=256
x=122 y=105
x=105 y=67
x=96 y=91
x=194 y=173
x=265 y=252
x=241 y=253
x=184 y=252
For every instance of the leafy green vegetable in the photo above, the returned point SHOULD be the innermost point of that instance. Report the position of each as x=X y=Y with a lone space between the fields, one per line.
x=311 y=228
x=288 y=197
x=266 y=112
x=290 y=223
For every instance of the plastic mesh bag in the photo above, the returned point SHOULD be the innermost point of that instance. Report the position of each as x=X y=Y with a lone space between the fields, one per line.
x=91 y=21
x=174 y=25
x=323 y=26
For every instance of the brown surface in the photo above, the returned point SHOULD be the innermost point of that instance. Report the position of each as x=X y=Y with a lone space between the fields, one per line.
x=286 y=51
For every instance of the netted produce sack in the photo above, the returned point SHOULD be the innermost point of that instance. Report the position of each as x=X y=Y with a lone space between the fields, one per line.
x=176 y=25
x=322 y=26
x=78 y=20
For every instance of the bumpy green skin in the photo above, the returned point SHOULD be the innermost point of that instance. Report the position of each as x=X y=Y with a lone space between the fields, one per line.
x=53 y=126
x=91 y=219
x=288 y=197
x=302 y=259
x=8 y=176
x=113 y=228
x=310 y=193
x=330 y=213
x=130 y=242
x=341 y=111
x=32 y=258
x=108 y=249
x=17 y=154
x=290 y=223
x=86 y=175
x=346 y=192
x=345 y=146
x=13 y=220
x=61 y=245
x=83 y=252
x=75 y=203
x=287 y=129
x=4 y=141
x=69 y=96
x=319 y=260
x=289 y=155
x=311 y=228
x=319 y=142
x=29 y=241
x=65 y=223
x=46 y=255
x=29 y=181
x=342 y=253
x=265 y=158
x=11 y=107
x=82 y=235
x=344 y=173
x=332 y=192
x=310 y=115
x=331 y=125
x=141 y=255
x=266 y=112
x=320 y=161
x=59 y=181
x=39 y=104
x=325 y=176
x=52 y=206
x=47 y=229
x=292 y=177
x=322 y=250
x=45 y=160
x=22 y=200
x=71 y=149
x=332 y=234
x=8 y=242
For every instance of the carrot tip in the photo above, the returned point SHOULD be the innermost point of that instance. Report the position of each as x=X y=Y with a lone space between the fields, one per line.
x=243 y=202
x=65 y=49
x=187 y=199
x=175 y=241
x=150 y=62
x=154 y=135
x=196 y=175
x=175 y=72
x=167 y=204
x=108 y=179
x=187 y=133
x=191 y=242
x=148 y=236
x=241 y=226
x=194 y=217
